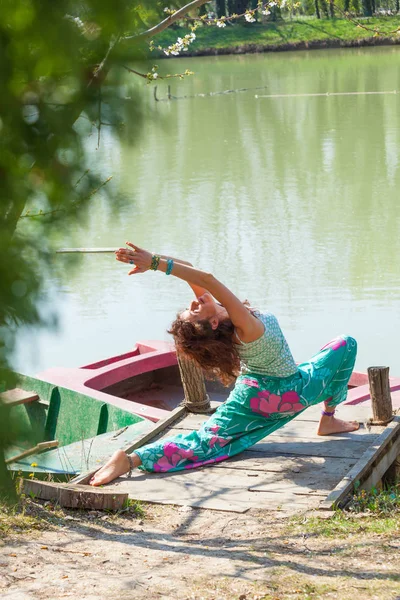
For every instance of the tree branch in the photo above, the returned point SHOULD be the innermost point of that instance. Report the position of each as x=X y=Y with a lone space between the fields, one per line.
x=167 y=22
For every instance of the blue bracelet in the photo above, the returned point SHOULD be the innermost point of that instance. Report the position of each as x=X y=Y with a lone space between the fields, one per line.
x=170 y=264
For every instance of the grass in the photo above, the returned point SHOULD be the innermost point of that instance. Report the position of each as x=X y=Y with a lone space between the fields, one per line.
x=381 y=502
x=281 y=35
x=29 y=515
x=375 y=512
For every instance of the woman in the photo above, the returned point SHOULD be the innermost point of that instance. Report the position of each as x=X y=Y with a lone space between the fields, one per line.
x=229 y=340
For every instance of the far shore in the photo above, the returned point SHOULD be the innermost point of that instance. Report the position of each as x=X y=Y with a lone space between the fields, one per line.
x=283 y=36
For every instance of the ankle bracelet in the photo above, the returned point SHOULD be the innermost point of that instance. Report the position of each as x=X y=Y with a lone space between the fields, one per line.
x=327 y=413
x=131 y=465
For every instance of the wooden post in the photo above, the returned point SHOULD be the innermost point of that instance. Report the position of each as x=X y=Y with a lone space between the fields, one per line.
x=196 y=398
x=169 y=92
x=382 y=409
x=155 y=93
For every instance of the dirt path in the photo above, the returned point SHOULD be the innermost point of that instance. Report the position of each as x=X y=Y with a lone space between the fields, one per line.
x=182 y=553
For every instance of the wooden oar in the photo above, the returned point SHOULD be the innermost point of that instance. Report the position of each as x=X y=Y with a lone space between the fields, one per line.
x=85 y=250
x=36 y=449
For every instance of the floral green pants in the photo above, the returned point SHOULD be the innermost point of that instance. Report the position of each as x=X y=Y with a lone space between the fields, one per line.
x=256 y=407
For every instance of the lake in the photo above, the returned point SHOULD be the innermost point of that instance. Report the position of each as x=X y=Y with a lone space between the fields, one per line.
x=292 y=201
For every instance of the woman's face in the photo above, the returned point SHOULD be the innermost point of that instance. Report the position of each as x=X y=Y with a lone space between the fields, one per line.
x=204 y=307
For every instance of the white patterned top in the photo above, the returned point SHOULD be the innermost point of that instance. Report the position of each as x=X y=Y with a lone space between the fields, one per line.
x=270 y=354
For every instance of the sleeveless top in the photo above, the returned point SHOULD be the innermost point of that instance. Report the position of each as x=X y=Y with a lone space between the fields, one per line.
x=268 y=355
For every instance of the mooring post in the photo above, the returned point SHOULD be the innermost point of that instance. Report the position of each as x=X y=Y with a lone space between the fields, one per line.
x=196 y=398
x=169 y=92
x=155 y=93
x=382 y=409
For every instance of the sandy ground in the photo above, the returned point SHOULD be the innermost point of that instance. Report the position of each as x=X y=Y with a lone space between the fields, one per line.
x=176 y=553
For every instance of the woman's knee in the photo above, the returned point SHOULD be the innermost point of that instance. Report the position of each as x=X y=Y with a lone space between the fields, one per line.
x=351 y=343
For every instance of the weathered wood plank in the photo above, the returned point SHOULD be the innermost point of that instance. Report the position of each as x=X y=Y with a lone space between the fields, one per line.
x=75 y=496
x=179 y=411
x=340 y=448
x=256 y=461
x=18 y=396
x=328 y=446
x=308 y=419
x=41 y=447
x=209 y=488
x=363 y=469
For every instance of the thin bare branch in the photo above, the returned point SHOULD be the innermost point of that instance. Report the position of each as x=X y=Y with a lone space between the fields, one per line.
x=42 y=213
x=166 y=22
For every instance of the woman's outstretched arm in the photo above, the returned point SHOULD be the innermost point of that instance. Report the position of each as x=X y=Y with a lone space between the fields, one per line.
x=125 y=255
x=248 y=327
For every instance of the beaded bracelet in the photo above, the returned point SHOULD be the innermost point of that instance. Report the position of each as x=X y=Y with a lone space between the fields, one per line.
x=170 y=265
x=155 y=261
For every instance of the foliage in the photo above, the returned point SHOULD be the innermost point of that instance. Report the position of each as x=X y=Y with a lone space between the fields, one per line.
x=342 y=524
x=281 y=33
x=383 y=502
x=60 y=69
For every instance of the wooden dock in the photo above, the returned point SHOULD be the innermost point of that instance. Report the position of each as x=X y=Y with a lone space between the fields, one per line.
x=292 y=469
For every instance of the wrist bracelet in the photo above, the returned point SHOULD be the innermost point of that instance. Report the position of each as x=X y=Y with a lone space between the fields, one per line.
x=155 y=261
x=170 y=265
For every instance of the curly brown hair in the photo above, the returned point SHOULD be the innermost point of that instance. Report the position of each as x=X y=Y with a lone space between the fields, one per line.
x=212 y=349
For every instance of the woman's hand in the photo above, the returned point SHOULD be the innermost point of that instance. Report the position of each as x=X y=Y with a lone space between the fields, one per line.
x=140 y=259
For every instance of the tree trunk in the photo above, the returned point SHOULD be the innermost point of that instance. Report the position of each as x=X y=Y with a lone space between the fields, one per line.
x=397 y=6
x=367 y=8
x=332 y=8
x=220 y=6
x=196 y=398
x=316 y=4
x=325 y=8
x=382 y=410
x=346 y=5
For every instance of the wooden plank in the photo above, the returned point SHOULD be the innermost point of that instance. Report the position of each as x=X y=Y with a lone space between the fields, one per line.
x=18 y=396
x=339 y=448
x=75 y=496
x=208 y=488
x=309 y=418
x=328 y=446
x=85 y=250
x=256 y=461
x=41 y=447
x=363 y=469
x=179 y=411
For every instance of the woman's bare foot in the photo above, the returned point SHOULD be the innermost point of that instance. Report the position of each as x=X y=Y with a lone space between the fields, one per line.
x=116 y=466
x=331 y=425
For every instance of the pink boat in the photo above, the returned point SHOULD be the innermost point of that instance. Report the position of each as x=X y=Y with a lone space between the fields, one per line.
x=146 y=381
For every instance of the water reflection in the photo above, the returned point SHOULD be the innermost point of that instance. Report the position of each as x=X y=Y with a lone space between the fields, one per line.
x=291 y=201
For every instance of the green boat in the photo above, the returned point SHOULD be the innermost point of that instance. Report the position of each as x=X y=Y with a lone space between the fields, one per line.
x=75 y=433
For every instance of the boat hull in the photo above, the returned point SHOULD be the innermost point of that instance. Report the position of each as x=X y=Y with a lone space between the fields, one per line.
x=146 y=381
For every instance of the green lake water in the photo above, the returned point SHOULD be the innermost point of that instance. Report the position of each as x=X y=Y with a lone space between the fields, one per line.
x=293 y=202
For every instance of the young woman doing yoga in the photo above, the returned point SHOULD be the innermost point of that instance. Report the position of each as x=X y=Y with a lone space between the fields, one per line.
x=229 y=340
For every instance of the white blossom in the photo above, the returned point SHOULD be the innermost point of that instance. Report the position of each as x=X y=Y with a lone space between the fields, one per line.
x=221 y=24
x=266 y=12
x=249 y=17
